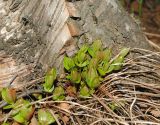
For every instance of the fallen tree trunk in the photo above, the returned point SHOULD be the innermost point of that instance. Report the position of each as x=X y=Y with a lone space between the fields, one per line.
x=35 y=34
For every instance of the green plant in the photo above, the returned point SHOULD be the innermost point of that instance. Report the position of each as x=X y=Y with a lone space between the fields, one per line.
x=45 y=117
x=58 y=93
x=49 y=80
x=9 y=95
x=87 y=68
x=22 y=111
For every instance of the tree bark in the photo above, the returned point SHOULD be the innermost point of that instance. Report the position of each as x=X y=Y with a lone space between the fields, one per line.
x=34 y=34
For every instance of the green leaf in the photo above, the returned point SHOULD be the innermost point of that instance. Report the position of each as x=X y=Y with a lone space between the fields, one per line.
x=103 y=68
x=68 y=76
x=47 y=89
x=110 y=69
x=93 y=63
x=97 y=45
x=108 y=55
x=104 y=55
x=49 y=80
x=19 y=104
x=84 y=48
x=85 y=63
x=99 y=56
x=45 y=117
x=124 y=52
x=118 y=63
x=19 y=118
x=75 y=76
x=61 y=98
x=9 y=106
x=84 y=73
x=81 y=57
x=91 y=52
x=27 y=112
x=68 y=63
x=101 y=71
x=23 y=111
x=91 y=91
x=9 y=95
x=92 y=78
x=84 y=91
x=81 y=60
x=58 y=93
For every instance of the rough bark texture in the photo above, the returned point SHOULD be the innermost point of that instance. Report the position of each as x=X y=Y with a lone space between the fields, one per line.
x=108 y=21
x=34 y=32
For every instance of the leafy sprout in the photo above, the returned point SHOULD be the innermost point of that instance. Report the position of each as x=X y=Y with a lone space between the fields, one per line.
x=49 y=80
x=58 y=93
x=90 y=65
x=45 y=117
x=22 y=111
x=68 y=63
x=9 y=95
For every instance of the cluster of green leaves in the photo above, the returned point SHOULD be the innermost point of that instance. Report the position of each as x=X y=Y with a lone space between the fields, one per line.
x=49 y=87
x=50 y=77
x=87 y=68
x=22 y=110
